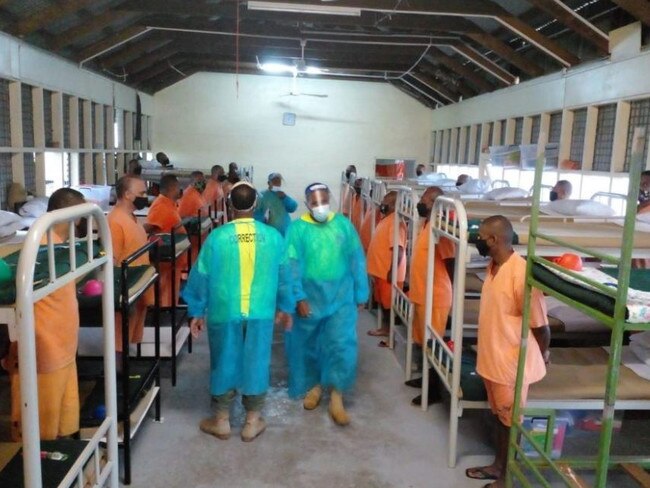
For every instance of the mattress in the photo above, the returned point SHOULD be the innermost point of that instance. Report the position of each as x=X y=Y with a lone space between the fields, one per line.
x=41 y=270
x=164 y=248
x=579 y=374
x=471 y=311
x=637 y=300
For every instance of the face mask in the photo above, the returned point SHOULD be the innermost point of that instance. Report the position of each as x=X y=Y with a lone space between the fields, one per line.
x=320 y=212
x=383 y=208
x=276 y=188
x=221 y=178
x=357 y=190
x=81 y=229
x=137 y=170
x=200 y=186
x=418 y=173
x=644 y=195
x=553 y=196
x=482 y=247
x=140 y=202
x=423 y=211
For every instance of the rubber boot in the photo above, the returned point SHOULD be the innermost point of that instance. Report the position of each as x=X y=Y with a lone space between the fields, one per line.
x=218 y=426
x=254 y=426
x=312 y=398
x=337 y=410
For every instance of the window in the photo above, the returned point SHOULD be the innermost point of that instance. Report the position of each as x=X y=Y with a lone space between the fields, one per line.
x=66 y=120
x=519 y=130
x=639 y=117
x=604 y=137
x=47 y=118
x=5 y=121
x=502 y=138
x=466 y=155
x=29 y=167
x=555 y=127
x=536 y=123
x=82 y=135
x=477 y=148
x=6 y=174
x=578 y=135
x=93 y=136
x=28 y=116
x=490 y=133
x=57 y=172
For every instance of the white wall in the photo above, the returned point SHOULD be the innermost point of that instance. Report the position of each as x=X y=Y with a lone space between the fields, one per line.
x=28 y=64
x=594 y=83
x=201 y=121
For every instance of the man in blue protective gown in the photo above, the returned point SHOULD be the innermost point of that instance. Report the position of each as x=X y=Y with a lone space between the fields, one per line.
x=330 y=284
x=275 y=205
x=235 y=287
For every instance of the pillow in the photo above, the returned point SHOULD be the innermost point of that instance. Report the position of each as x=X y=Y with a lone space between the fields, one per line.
x=474 y=186
x=9 y=223
x=644 y=217
x=506 y=193
x=34 y=207
x=589 y=208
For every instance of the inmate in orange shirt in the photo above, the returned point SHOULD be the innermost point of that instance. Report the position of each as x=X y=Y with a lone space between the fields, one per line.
x=128 y=236
x=357 y=212
x=213 y=192
x=365 y=234
x=380 y=250
x=190 y=203
x=163 y=213
x=500 y=321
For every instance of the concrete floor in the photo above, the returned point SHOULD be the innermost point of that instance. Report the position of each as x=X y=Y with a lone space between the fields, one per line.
x=389 y=443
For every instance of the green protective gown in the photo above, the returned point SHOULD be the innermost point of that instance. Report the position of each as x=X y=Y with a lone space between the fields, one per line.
x=274 y=211
x=238 y=282
x=328 y=270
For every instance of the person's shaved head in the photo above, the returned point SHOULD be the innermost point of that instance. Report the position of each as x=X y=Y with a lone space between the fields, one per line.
x=462 y=179
x=242 y=197
x=420 y=169
x=170 y=187
x=64 y=198
x=216 y=171
x=499 y=228
x=197 y=176
x=563 y=188
x=428 y=197
x=127 y=183
x=390 y=201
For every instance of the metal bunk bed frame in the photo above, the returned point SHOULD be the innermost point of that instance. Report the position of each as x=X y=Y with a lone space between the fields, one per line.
x=21 y=326
x=618 y=324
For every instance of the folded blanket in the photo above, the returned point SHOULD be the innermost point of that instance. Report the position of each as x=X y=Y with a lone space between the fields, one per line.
x=641 y=338
x=640 y=352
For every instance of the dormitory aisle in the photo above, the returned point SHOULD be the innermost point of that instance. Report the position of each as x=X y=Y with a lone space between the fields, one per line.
x=388 y=444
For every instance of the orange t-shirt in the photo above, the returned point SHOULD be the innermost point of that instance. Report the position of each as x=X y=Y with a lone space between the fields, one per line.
x=127 y=235
x=56 y=324
x=213 y=191
x=365 y=234
x=163 y=213
x=442 y=289
x=380 y=250
x=357 y=212
x=500 y=321
x=190 y=203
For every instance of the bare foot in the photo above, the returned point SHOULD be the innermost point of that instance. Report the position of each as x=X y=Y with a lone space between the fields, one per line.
x=381 y=332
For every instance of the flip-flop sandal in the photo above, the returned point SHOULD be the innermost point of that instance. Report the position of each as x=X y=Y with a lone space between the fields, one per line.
x=377 y=333
x=382 y=344
x=480 y=474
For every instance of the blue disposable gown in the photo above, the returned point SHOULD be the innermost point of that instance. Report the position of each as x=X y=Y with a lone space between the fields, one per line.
x=328 y=270
x=273 y=210
x=240 y=324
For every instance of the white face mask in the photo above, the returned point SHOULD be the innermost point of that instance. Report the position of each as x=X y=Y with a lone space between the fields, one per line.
x=276 y=188
x=320 y=212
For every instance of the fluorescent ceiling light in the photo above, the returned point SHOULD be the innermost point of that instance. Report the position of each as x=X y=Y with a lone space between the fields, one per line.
x=279 y=68
x=313 y=70
x=302 y=8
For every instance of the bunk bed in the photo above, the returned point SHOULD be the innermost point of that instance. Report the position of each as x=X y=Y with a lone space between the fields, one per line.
x=138 y=380
x=621 y=390
x=86 y=463
x=401 y=306
x=451 y=358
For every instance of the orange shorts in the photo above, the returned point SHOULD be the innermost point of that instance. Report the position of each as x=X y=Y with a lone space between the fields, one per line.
x=383 y=292
x=502 y=398
x=58 y=403
x=438 y=321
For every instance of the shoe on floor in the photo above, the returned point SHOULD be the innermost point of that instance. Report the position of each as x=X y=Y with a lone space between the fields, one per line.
x=253 y=429
x=337 y=410
x=312 y=398
x=432 y=399
x=216 y=426
x=414 y=383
